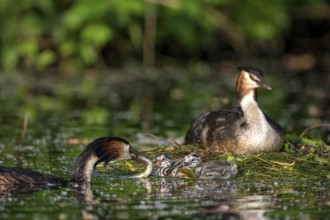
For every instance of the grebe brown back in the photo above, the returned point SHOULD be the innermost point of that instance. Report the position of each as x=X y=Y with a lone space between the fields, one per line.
x=104 y=150
x=241 y=130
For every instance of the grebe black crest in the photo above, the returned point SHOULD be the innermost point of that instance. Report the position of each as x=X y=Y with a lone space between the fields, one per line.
x=239 y=130
x=104 y=150
x=216 y=169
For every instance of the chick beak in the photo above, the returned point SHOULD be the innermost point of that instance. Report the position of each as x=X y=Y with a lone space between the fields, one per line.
x=262 y=83
x=135 y=155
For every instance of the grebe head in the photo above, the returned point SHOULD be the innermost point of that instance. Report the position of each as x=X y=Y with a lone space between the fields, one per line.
x=163 y=161
x=115 y=148
x=192 y=160
x=253 y=77
x=249 y=79
x=104 y=150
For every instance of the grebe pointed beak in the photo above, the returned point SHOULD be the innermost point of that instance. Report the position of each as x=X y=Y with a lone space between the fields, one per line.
x=137 y=156
x=263 y=84
x=143 y=159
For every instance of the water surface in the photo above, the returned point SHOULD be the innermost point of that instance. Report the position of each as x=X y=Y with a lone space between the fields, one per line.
x=112 y=195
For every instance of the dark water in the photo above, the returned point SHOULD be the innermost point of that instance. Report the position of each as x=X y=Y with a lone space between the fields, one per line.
x=62 y=117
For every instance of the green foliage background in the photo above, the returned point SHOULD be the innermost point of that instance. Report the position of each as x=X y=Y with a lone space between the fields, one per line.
x=74 y=34
x=92 y=57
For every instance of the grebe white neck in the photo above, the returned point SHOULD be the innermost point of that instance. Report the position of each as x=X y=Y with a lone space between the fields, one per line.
x=248 y=100
x=89 y=166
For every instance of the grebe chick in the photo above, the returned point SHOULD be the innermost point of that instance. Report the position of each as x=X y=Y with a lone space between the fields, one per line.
x=241 y=130
x=216 y=169
x=167 y=167
x=104 y=150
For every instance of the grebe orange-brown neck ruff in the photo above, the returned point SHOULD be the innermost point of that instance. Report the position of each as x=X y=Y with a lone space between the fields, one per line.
x=104 y=150
x=239 y=130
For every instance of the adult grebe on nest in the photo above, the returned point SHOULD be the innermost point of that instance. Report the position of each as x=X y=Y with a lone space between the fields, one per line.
x=241 y=130
x=104 y=150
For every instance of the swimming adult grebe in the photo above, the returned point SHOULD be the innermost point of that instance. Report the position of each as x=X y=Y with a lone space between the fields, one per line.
x=104 y=150
x=216 y=169
x=241 y=130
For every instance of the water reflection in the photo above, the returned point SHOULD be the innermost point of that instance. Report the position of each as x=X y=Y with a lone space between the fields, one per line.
x=243 y=207
x=167 y=196
x=84 y=194
x=160 y=198
x=222 y=198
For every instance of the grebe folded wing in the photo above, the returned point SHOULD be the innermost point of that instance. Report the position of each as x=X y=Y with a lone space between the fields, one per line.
x=208 y=127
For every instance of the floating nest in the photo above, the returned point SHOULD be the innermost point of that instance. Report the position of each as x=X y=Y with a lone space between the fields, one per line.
x=302 y=159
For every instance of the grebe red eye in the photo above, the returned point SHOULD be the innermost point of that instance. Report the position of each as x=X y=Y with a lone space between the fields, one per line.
x=252 y=76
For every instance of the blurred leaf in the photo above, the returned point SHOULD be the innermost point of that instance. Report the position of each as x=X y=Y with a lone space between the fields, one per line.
x=29 y=48
x=83 y=11
x=96 y=33
x=257 y=21
x=125 y=13
x=9 y=58
x=87 y=53
x=67 y=48
x=45 y=58
x=33 y=20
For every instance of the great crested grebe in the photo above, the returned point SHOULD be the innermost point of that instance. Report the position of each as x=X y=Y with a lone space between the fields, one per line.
x=216 y=169
x=167 y=167
x=239 y=130
x=104 y=150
